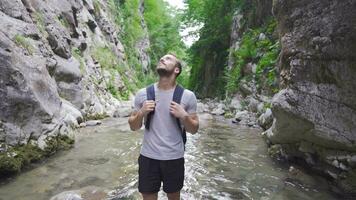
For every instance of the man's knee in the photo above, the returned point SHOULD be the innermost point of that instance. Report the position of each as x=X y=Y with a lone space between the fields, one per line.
x=173 y=196
x=149 y=196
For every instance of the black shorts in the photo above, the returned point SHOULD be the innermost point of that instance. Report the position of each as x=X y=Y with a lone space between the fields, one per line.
x=152 y=172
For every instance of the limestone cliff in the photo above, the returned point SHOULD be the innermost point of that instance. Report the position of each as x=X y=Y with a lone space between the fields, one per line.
x=52 y=75
x=315 y=112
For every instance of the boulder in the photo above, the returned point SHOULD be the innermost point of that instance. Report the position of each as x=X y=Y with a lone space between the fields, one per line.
x=265 y=120
x=317 y=102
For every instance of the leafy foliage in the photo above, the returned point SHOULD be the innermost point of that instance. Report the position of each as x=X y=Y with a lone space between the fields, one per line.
x=208 y=56
x=261 y=49
x=162 y=27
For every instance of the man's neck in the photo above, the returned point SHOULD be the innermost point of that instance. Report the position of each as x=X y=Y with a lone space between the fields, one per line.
x=166 y=83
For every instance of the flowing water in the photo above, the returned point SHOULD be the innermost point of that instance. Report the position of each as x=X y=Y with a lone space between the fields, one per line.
x=223 y=161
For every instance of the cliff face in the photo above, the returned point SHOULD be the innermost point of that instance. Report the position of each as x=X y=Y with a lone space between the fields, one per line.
x=315 y=112
x=52 y=75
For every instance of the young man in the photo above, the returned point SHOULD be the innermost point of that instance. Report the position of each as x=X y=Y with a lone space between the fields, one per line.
x=162 y=153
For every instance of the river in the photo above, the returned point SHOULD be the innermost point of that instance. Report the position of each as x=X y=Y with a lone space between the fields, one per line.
x=223 y=161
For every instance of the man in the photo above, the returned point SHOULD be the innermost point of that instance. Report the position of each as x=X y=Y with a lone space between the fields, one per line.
x=162 y=153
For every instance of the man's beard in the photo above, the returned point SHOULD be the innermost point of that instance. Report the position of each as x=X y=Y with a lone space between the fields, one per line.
x=164 y=72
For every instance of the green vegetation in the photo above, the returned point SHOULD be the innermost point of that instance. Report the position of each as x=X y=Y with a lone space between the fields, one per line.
x=16 y=158
x=210 y=76
x=25 y=43
x=96 y=116
x=63 y=21
x=253 y=49
x=109 y=61
x=40 y=23
x=77 y=53
x=162 y=32
x=208 y=56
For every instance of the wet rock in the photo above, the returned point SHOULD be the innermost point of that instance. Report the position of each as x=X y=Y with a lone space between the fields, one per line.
x=93 y=123
x=72 y=116
x=90 y=192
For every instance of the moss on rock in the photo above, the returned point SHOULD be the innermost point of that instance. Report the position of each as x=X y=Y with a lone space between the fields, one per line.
x=16 y=158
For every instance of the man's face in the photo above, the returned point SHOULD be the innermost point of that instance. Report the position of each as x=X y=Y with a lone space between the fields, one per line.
x=166 y=65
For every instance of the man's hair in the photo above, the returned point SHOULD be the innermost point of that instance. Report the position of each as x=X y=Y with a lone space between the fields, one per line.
x=178 y=63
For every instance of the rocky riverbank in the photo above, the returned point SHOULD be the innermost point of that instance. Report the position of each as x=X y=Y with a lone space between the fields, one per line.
x=61 y=64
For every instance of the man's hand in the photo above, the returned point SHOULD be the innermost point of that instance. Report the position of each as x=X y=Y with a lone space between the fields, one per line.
x=147 y=107
x=135 y=120
x=190 y=121
x=177 y=110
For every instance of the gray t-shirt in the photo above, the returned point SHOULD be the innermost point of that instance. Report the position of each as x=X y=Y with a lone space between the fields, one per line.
x=163 y=141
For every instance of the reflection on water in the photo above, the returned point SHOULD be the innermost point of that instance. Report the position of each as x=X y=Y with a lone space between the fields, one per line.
x=223 y=161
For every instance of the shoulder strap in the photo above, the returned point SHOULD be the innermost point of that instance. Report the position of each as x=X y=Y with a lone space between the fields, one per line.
x=150 y=90
x=177 y=97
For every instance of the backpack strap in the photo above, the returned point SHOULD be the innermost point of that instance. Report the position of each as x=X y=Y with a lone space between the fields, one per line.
x=177 y=97
x=150 y=90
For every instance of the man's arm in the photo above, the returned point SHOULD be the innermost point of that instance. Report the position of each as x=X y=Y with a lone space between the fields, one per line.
x=190 y=121
x=136 y=118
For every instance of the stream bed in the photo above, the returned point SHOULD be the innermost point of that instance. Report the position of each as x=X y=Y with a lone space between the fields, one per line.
x=222 y=161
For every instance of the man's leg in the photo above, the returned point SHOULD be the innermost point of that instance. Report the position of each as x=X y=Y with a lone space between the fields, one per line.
x=173 y=196
x=149 y=196
x=173 y=177
x=149 y=178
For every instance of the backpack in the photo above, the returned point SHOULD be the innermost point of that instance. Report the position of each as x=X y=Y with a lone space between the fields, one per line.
x=177 y=97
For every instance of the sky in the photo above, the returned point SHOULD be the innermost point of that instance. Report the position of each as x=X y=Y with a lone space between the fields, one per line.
x=188 y=40
x=176 y=3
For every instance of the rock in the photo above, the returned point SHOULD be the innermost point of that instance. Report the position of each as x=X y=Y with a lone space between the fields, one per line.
x=29 y=100
x=72 y=116
x=92 y=25
x=253 y=104
x=93 y=122
x=219 y=110
x=343 y=167
x=316 y=97
x=250 y=124
x=59 y=40
x=89 y=192
x=262 y=36
x=201 y=107
x=266 y=119
x=16 y=27
x=239 y=116
x=249 y=69
x=45 y=90
x=235 y=103
x=245 y=89
x=67 y=70
x=260 y=108
x=15 y=9
x=122 y=112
